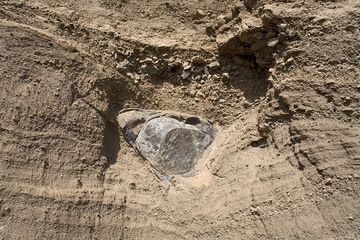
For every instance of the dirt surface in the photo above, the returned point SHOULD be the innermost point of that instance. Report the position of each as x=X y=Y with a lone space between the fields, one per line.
x=279 y=80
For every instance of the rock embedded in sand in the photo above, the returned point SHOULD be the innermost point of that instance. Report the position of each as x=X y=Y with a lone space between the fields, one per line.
x=172 y=143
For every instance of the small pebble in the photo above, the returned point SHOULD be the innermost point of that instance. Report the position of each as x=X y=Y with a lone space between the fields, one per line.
x=214 y=65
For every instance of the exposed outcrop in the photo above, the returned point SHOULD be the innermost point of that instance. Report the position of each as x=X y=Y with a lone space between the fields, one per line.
x=251 y=127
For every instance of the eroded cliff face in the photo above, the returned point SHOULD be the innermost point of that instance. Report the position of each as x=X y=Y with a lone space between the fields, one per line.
x=279 y=81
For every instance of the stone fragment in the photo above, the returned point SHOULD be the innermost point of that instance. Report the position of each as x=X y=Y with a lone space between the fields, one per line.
x=282 y=37
x=124 y=65
x=328 y=181
x=225 y=77
x=199 y=14
x=198 y=60
x=186 y=66
x=215 y=77
x=272 y=42
x=210 y=29
x=214 y=65
x=185 y=74
x=200 y=94
x=197 y=78
x=228 y=17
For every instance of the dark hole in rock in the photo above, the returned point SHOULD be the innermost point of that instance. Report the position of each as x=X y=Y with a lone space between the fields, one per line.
x=171 y=142
x=192 y=121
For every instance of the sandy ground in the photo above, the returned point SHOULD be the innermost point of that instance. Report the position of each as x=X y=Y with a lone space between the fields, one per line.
x=279 y=80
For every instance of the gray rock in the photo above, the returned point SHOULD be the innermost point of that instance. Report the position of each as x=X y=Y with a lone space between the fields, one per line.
x=171 y=142
x=152 y=135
